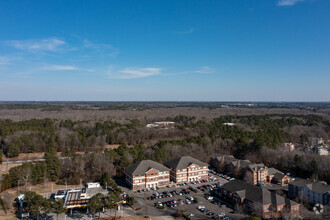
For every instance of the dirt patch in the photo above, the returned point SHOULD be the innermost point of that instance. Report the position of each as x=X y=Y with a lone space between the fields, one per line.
x=130 y=218
x=9 y=216
x=5 y=167
x=49 y=187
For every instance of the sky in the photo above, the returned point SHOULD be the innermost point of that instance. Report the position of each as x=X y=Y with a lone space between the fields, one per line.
x=165 y=50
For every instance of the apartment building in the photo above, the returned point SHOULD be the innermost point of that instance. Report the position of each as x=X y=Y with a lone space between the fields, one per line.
x=147 y=174
x=258 y=200
x=256 y=173
x=244 y=169
x=309 y=191
x=187 y=169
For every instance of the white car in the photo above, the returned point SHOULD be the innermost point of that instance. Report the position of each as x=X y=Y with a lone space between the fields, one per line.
x=209 y=197
x=201 y=207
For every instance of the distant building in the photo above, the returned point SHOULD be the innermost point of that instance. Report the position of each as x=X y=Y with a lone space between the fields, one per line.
x=187 y=169
x=319 y=141
x=258 y=200
x=165 y=123
x=93 y=185
x=312 y=192
x=161 y=124
x=229 y=124
x=289 y=146
x=147 y=174
x=322 y=151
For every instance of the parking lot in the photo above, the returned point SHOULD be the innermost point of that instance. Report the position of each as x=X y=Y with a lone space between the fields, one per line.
x=193 y=198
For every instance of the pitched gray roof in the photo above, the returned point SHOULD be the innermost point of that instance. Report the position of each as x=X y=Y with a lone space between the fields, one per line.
x=231 y=159
x=183 y=162
x=141 y=167
x=279 y=176
x=318 y=187
x=300 y=182
x=256 y=193
x=273 y=171
x=257 y=167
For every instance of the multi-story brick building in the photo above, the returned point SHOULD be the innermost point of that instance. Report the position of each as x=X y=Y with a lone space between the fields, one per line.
x=252 y=173
x=258 y=200
x=256 y=173
x=187 y=169
x=147 y=174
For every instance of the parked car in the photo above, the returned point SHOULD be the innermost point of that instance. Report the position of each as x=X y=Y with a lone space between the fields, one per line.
x=209 y=197
x=179 y=193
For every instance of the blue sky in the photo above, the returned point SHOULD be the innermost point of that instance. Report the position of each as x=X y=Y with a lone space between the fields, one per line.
x=158 y=50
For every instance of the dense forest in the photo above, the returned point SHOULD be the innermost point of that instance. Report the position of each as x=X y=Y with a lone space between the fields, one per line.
x=257 y=137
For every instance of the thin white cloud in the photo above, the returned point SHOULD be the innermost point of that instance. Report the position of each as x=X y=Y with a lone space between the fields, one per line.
x=288 y=2
x=59 y=68
x=133 y=72
x=189 y=31
x=205 y=70
x=4 y=61
x=50 y=44
x=103 y=49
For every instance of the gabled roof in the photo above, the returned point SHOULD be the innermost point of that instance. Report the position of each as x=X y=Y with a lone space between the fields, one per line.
x=230 y=159
x=256 y=194
x=318 y=187
x=257 y=167
x=273 y=171
x=300 y=182
x=183 y=162
x=279 y=176
x=141 y=167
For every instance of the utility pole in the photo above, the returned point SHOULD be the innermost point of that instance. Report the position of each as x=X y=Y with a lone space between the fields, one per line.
x=18 y=186
x=0 y=183
x=7 y=160
x=66 y=187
